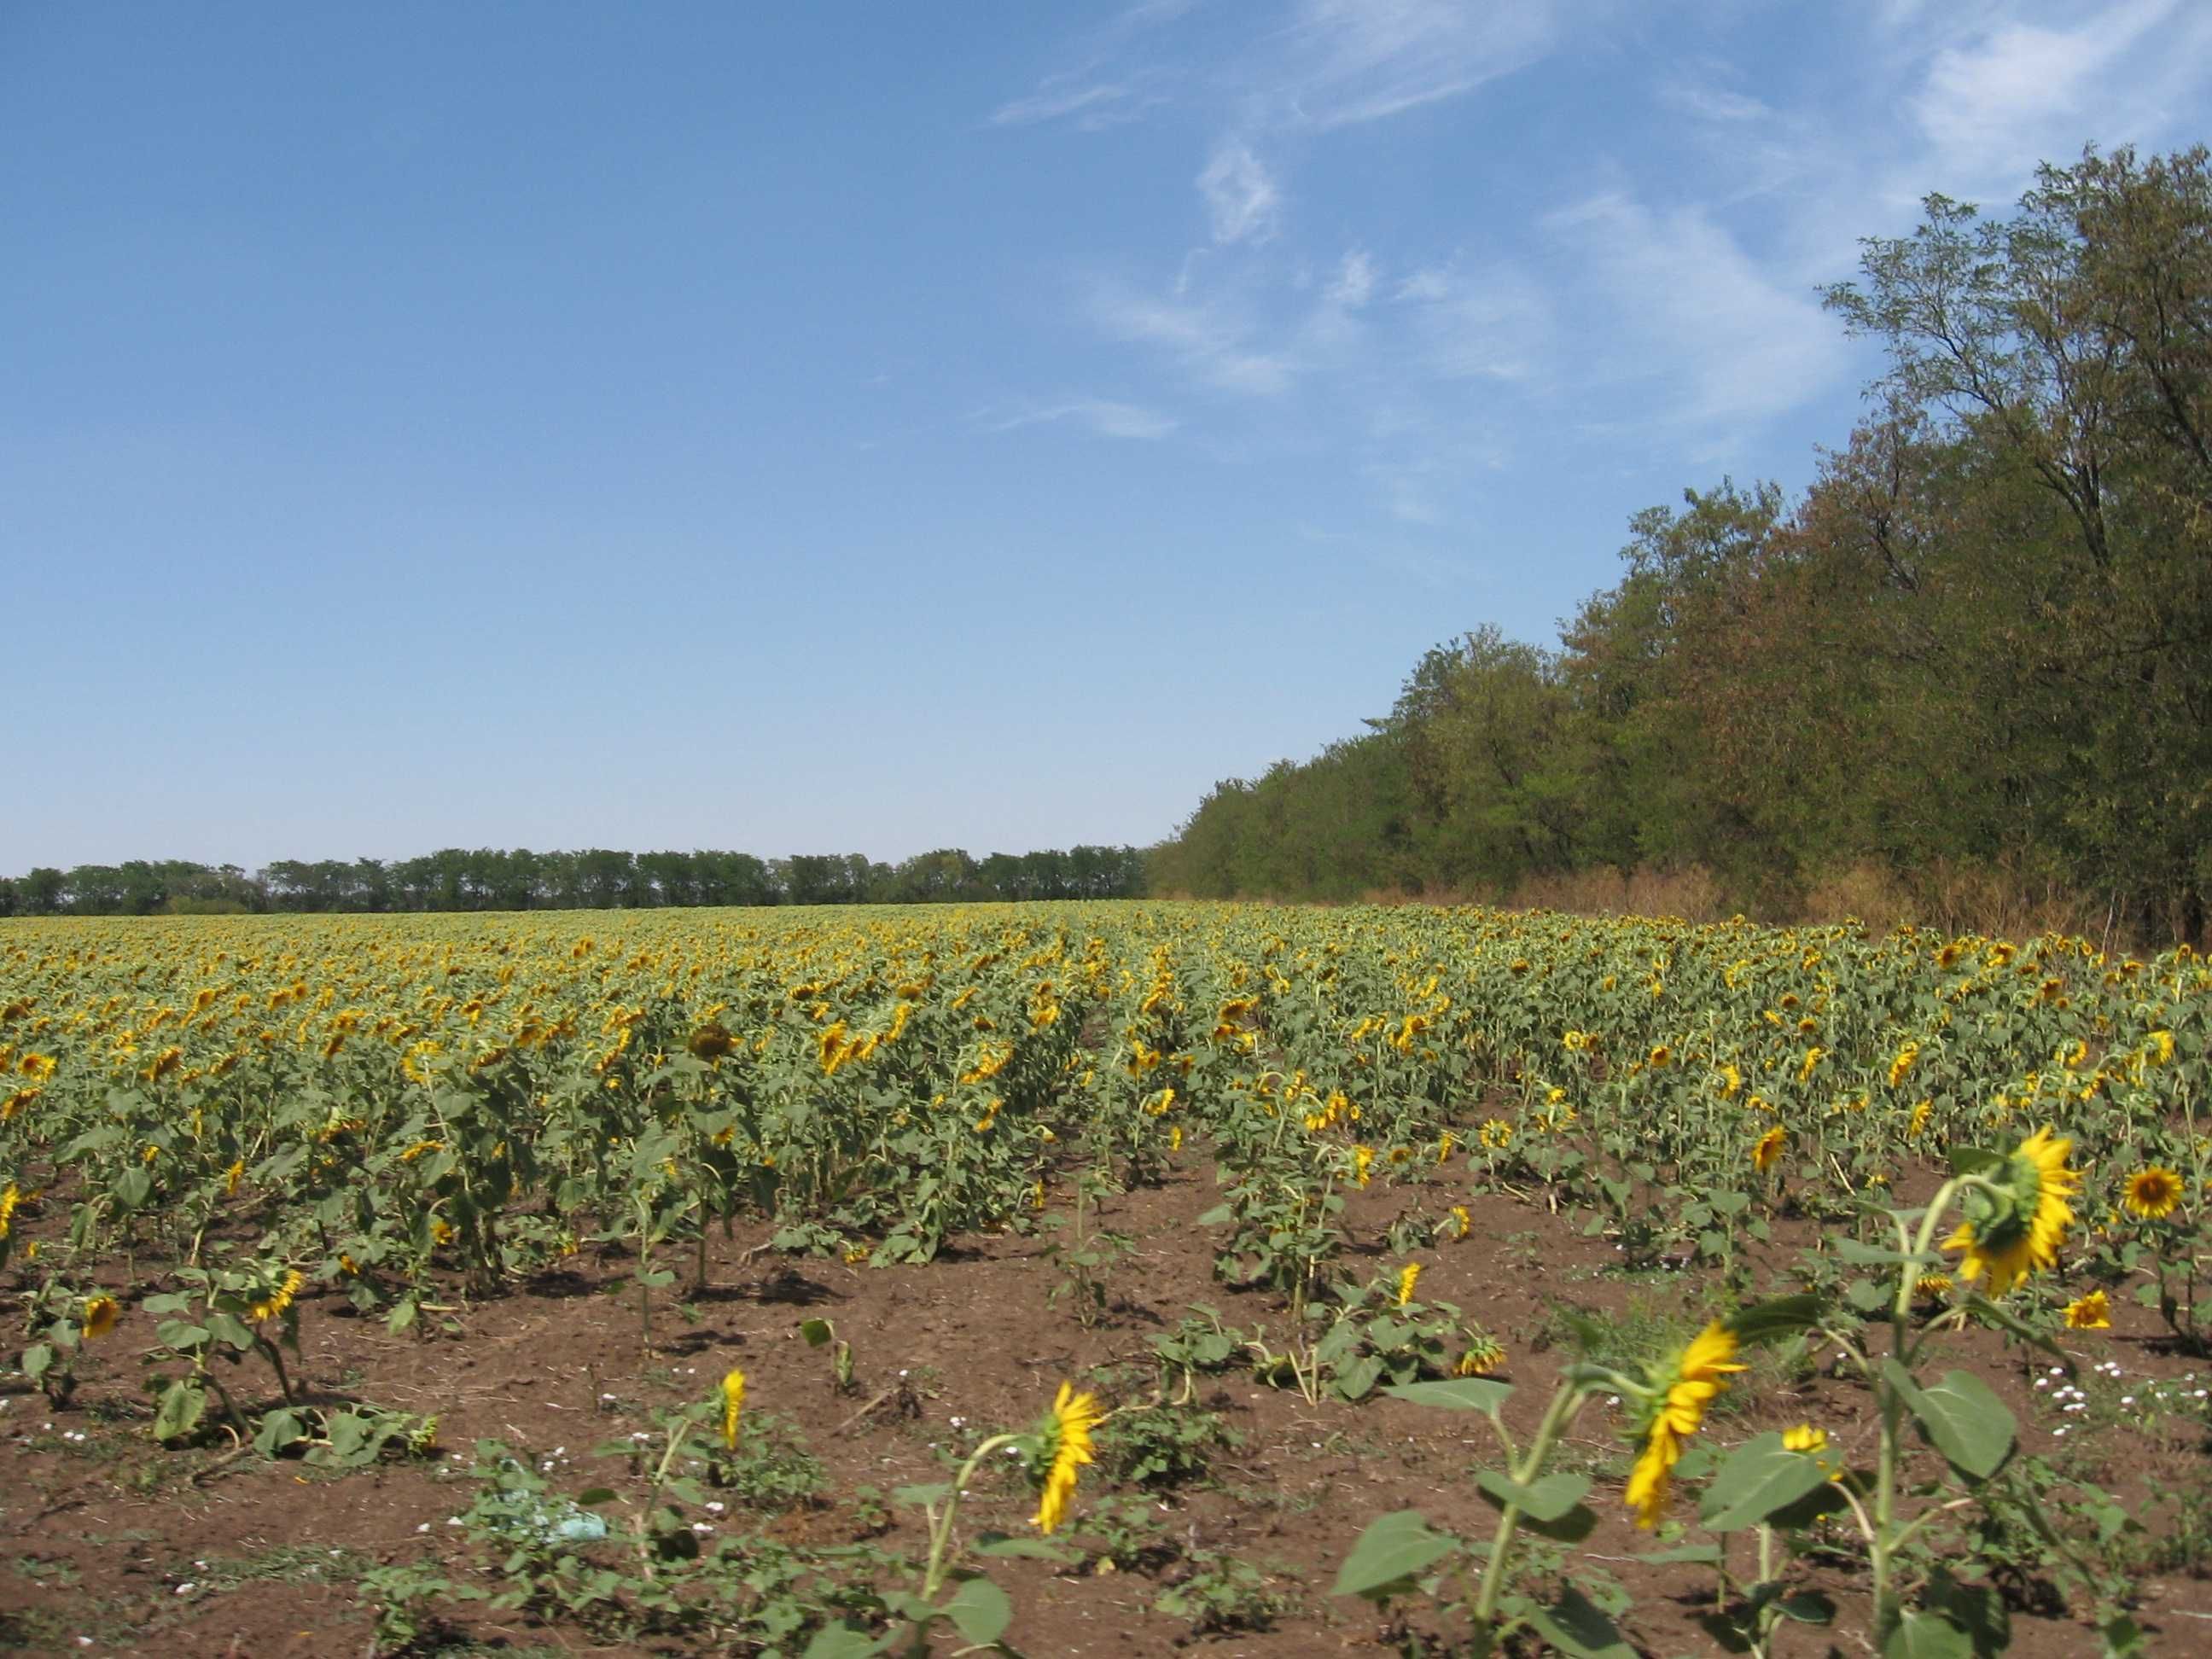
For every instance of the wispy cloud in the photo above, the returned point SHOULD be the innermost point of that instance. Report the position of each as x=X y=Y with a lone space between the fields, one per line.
x=1988 y=105
x=1342 y=62
x=1103 y=416
x=1713 y=103
x=1210 y=342
x=1240 y=193
x=1353 y=285
x=1090 y=105
x=1493 y=321
x=1684 y=306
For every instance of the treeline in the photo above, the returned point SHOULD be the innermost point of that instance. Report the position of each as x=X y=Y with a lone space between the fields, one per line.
x=1980 y=643
x=490 y=879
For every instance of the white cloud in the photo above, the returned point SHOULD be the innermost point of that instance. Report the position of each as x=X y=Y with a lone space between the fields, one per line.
x=1208 y=341
x=1241 y=195
x=1488 y=323
x=1713 y=103
x=1988 y=106
x=1342 y=62
x=1354 y=284
x=1103 y=416
x=1684 y=304
x=1092 y=105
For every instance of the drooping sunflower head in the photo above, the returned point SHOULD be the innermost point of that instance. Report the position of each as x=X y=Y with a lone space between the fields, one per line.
x=1767 y=1151
x=733 y=1406
x=711 y=1042
x=1066 y=1435
x=1681 y=1390
x=100 y=1313
x=1484 y=1354
x=2152 y=1193
x=1408 y=1276
x=2015 y=1223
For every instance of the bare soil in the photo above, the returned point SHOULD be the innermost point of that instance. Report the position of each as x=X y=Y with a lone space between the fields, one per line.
x=113 y=1544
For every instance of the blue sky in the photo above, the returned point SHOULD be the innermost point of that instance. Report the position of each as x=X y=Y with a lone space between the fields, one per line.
x=884 y=426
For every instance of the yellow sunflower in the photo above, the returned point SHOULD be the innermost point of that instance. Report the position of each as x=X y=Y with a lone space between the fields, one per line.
x=273 y=1305
x=1767 y=1151
x=2014 y=1226
x=1074 y=1416
x=100 y=1313
x=1692 y=1382
x=2092 y=1312
x=733 y=1405
x=1408 y=1276
x=2152 y=1194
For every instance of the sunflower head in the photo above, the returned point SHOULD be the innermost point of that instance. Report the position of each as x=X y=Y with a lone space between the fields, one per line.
x=733 y=1406
x=2152 y=1194
x=711 y=1042
x=100 y=1313
x=2092 y=1312
x=1065 y=1447
x=2017 y=1216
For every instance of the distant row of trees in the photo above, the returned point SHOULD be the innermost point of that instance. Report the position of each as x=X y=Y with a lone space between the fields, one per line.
x=491 y=879
x=1981 y=639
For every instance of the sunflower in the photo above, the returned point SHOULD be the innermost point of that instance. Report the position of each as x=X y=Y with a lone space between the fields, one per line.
x=1484 y=1354
x=1681 y=1393
x=711 y=1042
x=273 y=1305
x=2014 y=1225
x=1073 y=1416
x=100 y=1313
x=1408 y=1276
x=2152 y=1194
x=1804 y=1438
x=1767 y=1152
x=733 y=1404
x=2092 y=1312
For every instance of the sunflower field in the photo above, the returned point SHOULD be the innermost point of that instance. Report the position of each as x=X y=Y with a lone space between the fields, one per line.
x=1762 y=1271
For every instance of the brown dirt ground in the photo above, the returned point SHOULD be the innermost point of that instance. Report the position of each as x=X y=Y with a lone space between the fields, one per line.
x=102 y=1536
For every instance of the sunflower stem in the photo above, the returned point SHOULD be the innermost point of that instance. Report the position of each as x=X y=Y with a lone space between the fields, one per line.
x=940 y=1531
x=1557 y=1416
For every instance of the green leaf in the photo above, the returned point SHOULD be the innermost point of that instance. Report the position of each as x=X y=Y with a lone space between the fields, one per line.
x=1463 y=1394
x=1033 y=1549
x=595 y=1495
x=1547 y=1499
x=1975 y=1160
x=182 y=1405
x=978 y=1610
x=1756 y=1479
x=37 y=1359
x=1390 y=1553
x=278 y=1430
x=843 y=1641
x=1704 y=1555
x=816 y=1331
x=1356 y=1380
x=1771 y=1320
x=1927 y=1636
x=1807 y=1608
x=1576 y=1625
x=1875 y=1255
x=1961 y=1417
